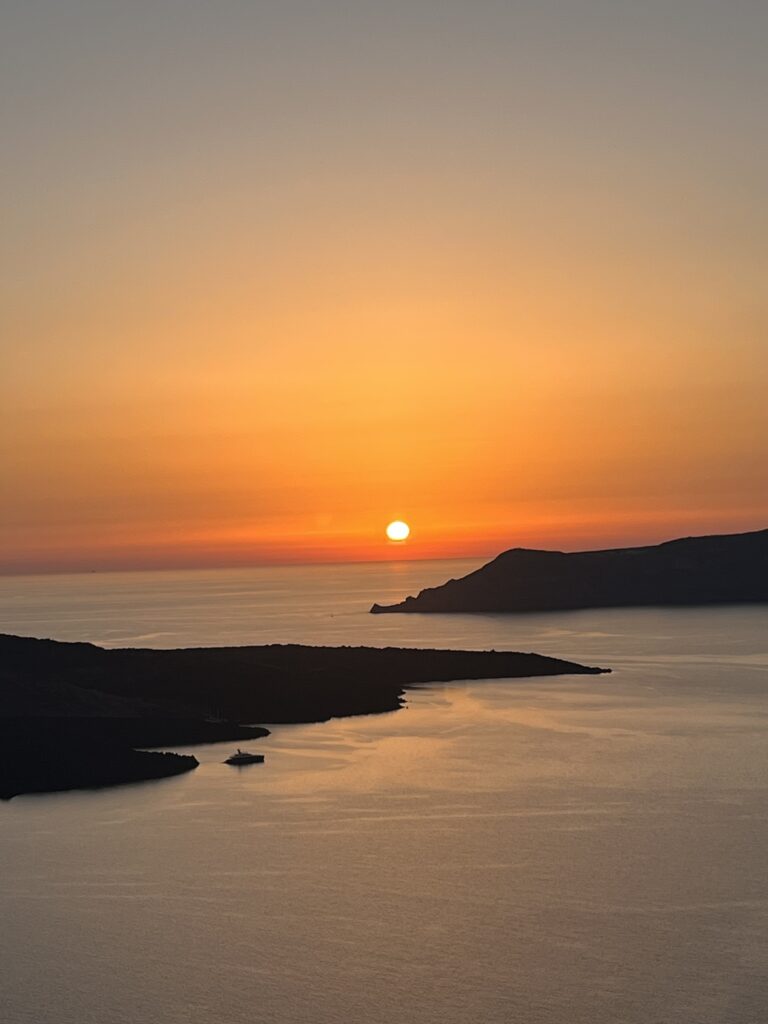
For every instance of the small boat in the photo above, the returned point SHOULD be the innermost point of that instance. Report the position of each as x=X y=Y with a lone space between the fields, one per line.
x=244 y=757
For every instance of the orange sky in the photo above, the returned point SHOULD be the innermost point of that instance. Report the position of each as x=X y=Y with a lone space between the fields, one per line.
x=258 y=308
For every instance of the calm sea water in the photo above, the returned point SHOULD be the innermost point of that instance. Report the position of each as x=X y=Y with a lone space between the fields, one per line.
x=580 y=849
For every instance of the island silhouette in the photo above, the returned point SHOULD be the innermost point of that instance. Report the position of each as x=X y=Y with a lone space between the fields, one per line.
x=73 y=714
x=724 y=569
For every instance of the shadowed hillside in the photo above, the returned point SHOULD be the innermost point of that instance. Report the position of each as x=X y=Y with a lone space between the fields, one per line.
x=694 y=571
x=72 y=714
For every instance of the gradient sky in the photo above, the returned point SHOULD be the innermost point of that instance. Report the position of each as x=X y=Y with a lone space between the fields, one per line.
x=277 y=273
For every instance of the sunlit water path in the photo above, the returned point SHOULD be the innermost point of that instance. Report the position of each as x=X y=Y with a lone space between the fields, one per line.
x=579 y=849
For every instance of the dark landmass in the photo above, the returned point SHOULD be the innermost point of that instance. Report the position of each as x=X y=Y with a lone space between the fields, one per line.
x=217 y=686
x=64 y=705
x=728 y=569
x=43 y=755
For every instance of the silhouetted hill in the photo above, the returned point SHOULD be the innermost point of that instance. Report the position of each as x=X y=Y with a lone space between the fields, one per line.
x=275 y=683
x=71 y=714
x=693 y=571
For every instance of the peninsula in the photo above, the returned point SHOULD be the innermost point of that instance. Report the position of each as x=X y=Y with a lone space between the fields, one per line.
x=73 y=714
x=727 y=569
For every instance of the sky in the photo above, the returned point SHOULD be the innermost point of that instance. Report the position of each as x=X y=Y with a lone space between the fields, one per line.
x=277 y=273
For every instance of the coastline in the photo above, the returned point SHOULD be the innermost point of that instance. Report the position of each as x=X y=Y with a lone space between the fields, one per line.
x=72 y=715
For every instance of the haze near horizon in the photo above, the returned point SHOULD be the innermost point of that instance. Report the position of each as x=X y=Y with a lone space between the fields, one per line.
x=279 y=274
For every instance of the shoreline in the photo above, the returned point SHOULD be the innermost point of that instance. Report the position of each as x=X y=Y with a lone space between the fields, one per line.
x=73 y=715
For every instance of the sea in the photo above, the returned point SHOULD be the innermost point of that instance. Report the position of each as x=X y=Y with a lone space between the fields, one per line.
x=571 y=850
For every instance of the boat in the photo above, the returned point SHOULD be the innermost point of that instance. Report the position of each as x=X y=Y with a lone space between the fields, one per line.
x=244 y=757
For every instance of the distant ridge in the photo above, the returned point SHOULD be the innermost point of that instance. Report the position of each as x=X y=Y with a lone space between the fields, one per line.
x=726 y=569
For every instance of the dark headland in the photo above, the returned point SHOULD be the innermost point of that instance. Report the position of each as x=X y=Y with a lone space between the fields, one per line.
x=727 y=569
x=73 y=714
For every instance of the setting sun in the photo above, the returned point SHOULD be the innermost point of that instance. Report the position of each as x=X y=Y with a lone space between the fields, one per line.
x=398 y=530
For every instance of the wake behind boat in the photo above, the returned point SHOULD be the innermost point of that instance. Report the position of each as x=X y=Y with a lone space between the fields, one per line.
x=244 y=757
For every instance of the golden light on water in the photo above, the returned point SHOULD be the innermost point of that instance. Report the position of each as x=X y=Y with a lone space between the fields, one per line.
x=398 y=530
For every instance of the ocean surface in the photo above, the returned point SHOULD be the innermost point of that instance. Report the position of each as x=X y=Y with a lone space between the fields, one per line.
x=578 y=849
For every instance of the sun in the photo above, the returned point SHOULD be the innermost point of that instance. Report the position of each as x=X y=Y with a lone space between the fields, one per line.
x=398 y=530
